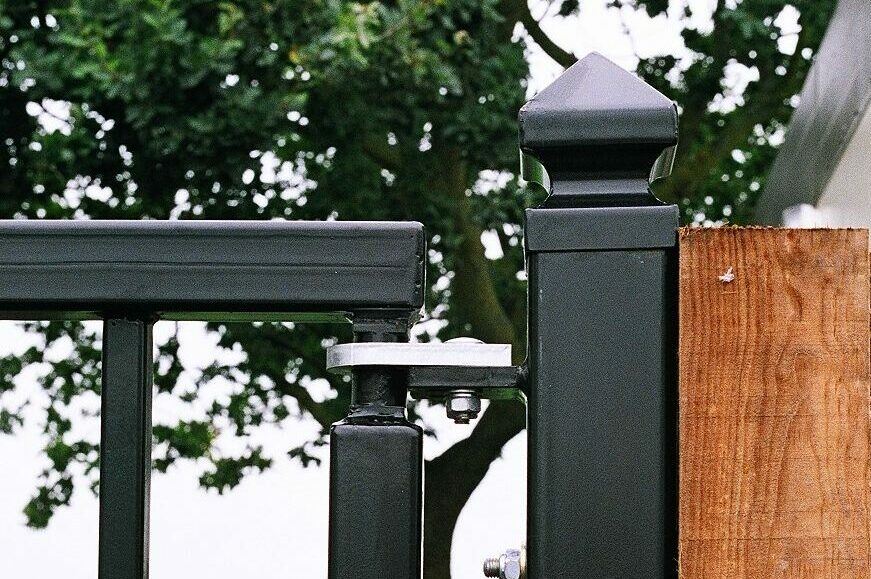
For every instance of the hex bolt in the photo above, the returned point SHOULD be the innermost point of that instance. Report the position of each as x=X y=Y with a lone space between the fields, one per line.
x=462 y=405
x=510 y=565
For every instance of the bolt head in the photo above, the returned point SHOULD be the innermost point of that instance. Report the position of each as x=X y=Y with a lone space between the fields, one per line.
x=510 y=565
x=463 y=406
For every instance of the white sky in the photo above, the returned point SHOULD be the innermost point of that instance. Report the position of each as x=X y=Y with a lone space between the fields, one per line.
x=275 y=524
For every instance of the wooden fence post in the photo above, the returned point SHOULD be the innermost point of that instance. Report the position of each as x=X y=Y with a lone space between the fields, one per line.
x=774 y=404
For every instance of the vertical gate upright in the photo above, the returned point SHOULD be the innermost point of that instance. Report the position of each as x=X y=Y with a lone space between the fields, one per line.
x=601 y=261
x=599 y=380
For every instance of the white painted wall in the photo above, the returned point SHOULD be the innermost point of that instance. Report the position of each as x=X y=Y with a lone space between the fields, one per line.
x=846 y=200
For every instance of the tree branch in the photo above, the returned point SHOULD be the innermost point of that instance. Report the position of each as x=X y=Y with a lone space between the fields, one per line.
x=518 y=10
x=474 y=294
x=323 y=414
x=319 y=412
x=453 y=476
x=377 y=149
x=762 y=98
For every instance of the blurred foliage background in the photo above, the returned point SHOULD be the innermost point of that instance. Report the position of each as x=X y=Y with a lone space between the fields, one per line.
x=330 y=109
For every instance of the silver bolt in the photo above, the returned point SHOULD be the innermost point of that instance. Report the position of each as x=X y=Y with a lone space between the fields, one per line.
x=491 y=567
x=462 y=406
x=510 y=565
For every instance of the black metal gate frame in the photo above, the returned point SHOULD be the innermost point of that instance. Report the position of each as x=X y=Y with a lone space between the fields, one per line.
x=132 y=273
x=599 y=380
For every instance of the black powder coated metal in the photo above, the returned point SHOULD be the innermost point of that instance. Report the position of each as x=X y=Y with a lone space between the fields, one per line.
x=490 y=382
x=207 y=269
x=376 y=468
x=375 y=498
x=602 y=349
x=125 y=448
x=598 y=133
x=600 y=228
x=131 y=273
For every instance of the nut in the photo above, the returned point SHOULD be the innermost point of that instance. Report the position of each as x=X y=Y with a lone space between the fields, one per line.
x=462 y=406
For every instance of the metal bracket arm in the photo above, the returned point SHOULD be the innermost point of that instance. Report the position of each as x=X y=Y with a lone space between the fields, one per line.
x=344 y=357
x=459 y=372
x=437 y=370
x=489 y=382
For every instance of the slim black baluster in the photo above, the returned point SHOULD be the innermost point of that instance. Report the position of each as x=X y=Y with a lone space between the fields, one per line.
x=125 y=451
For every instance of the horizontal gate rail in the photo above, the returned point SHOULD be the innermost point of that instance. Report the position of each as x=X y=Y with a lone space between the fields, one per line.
x=207 y=269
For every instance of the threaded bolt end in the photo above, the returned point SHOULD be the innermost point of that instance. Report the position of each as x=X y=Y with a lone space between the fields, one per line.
x=491 y=567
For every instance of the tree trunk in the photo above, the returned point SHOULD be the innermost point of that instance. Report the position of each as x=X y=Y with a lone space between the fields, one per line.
x=453 y=476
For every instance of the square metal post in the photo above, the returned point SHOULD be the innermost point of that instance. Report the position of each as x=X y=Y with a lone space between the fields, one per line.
x=376 y=469
x=601 y=406
x=602 y=325
x=125 y=449
x=375 y=498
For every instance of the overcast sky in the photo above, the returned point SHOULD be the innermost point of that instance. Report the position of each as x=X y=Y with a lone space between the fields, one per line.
x=275 y=524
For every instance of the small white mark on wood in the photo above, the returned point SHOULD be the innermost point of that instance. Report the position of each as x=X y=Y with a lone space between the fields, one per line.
x=727 y=277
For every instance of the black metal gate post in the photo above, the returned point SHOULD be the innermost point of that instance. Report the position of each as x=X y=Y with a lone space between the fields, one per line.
x=376 y=467
x=125 y=448
x=602 y=352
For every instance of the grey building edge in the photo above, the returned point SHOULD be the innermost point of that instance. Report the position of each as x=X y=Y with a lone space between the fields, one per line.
x=835 y=96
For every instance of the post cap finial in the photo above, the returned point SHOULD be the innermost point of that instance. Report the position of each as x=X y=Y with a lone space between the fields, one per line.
x=597 y=123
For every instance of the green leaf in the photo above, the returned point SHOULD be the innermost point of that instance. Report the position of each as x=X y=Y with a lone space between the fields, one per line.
x=568 y=7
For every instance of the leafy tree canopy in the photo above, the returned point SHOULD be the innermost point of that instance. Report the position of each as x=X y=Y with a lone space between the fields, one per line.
x=313 y=109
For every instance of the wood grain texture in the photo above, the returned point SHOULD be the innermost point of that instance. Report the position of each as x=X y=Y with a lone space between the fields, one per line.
x=774 y=404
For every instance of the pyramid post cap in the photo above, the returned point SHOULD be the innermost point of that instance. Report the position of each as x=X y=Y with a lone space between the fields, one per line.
x=596 y=102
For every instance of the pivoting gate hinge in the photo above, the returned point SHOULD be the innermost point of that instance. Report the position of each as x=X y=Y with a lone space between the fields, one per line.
x=459 y=372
